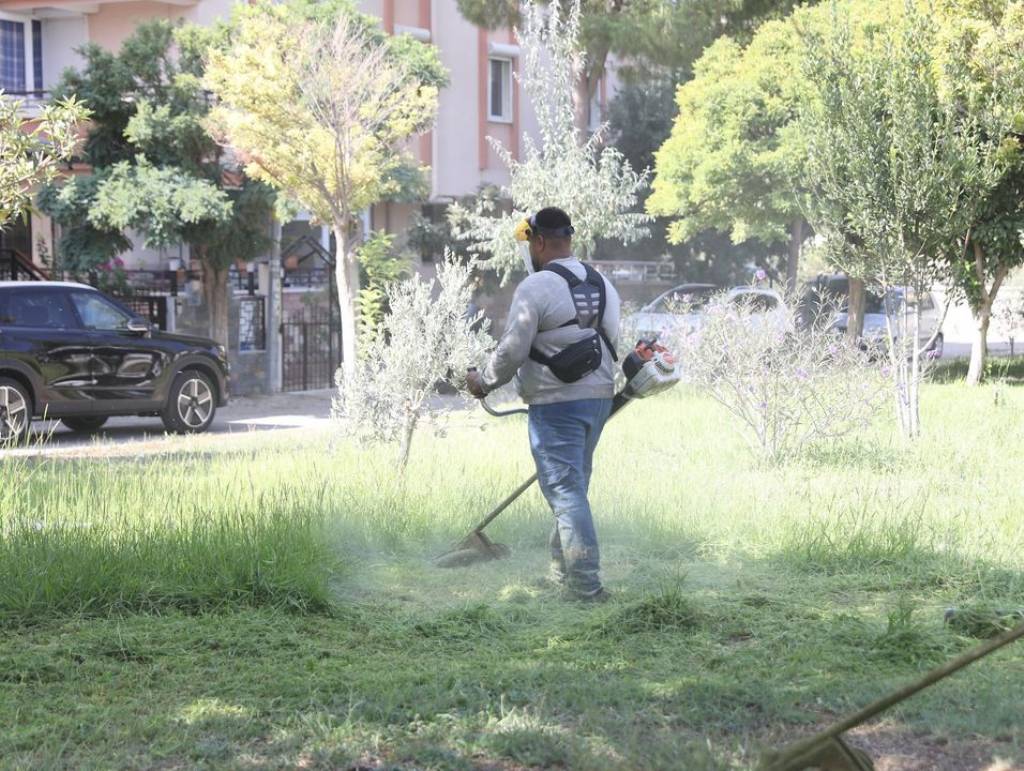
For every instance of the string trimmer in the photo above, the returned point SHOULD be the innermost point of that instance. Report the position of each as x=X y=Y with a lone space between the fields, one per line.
x=827 y=750
x=649 y=369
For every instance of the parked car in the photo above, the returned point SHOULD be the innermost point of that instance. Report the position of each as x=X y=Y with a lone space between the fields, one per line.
x=682 y=309
x=828 y=298
x=68 y=351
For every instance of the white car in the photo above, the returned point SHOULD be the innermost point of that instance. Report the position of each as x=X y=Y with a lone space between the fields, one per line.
x=681 y=310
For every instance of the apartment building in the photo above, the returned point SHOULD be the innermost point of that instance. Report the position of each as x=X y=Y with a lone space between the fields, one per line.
x=40 y=38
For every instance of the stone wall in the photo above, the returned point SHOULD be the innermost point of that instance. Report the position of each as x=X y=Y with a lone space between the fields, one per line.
x=249 y=369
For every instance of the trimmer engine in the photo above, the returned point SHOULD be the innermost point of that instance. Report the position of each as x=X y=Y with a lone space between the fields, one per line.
x=650 y=369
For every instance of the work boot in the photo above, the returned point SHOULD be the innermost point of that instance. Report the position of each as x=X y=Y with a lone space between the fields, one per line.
x=602 y=595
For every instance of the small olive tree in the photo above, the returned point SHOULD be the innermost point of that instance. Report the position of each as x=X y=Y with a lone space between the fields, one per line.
x=31 y=152
x=594 y=184
x=426 y=339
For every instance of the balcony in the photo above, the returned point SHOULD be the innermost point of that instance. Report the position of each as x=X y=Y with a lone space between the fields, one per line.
x=31 y=101
x=76 y=6
x=636 y=271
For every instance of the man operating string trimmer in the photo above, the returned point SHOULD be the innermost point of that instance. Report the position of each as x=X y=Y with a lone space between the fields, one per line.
x=559 y=344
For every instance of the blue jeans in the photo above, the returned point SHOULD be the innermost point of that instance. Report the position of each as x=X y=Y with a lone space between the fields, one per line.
x=563 y=437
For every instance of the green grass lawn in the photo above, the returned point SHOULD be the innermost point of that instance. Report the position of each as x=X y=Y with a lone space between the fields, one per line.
x=271 y=603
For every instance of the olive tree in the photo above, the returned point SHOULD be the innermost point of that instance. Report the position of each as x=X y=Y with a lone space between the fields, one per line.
x=31 y=150
x=427 y=338
x=981 y=47
x=896 y=173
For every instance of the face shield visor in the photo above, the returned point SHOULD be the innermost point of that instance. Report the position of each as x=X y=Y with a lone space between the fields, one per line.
x=524 y=230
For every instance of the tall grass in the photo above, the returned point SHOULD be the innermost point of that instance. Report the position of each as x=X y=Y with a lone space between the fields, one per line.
x=274 y=522
x=192 y=533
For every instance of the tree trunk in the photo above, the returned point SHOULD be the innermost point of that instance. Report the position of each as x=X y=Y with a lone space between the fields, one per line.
x=796 y=240
x=346 y=271
x=406 y=444
x=215 y=295
x=983 y=314
x=581 y=95
x=915 y=370
x=979 y=345
x=855 y=309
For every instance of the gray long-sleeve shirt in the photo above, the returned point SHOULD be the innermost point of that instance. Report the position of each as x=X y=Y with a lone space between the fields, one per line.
x=541 y=305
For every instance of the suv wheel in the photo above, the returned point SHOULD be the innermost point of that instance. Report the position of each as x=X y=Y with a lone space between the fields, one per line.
x=15 y=411
x=191 y=404
x=84 y=424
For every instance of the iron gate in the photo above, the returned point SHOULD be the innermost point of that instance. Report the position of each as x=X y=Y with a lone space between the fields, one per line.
x=310 y=349
x=151 y=307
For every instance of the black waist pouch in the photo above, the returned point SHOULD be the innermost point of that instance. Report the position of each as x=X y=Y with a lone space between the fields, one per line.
x=574 y=362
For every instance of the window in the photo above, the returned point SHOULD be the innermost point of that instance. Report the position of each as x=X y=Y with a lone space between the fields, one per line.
x=97 y=312
x=12 y=56
x=499 y=91
x=41 y=310
x=37 y=55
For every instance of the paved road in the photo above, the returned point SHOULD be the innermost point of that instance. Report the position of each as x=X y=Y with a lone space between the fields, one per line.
x=305 y=410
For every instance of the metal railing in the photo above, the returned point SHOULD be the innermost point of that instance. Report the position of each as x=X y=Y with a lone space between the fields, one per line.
x=242 y=281
x=637 y=271
x=313 y=278
x=15 y=266
x=31 y=101
x=165 y=283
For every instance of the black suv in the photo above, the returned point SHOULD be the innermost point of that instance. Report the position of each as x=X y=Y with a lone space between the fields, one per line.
x=69 y=352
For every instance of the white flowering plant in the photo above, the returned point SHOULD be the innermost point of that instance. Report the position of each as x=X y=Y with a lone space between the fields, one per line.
x=788 y=387
x=593 y=183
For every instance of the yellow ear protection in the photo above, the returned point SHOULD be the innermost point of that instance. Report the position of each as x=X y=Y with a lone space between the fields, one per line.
x=527 y=229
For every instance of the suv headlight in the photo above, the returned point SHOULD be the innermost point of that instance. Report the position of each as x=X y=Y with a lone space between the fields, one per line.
x=222 y=352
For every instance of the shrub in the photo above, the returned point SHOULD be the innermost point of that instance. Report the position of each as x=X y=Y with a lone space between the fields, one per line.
x=428 y=338
x=787 y=389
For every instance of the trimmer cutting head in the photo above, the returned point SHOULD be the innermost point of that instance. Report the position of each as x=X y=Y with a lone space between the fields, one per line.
x=475 y=547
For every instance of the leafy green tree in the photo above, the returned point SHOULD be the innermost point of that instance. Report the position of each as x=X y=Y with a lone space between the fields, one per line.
x=981 y=47
x=733 y=154
x=896 y=171
x=651 y=36
x=156 y=170
x=31 y=151
x=318 y=100
x=594 y=184
x=640 y=118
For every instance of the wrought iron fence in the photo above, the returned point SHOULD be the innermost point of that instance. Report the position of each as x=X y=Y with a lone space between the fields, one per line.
x=310 y=349
x=252 y=323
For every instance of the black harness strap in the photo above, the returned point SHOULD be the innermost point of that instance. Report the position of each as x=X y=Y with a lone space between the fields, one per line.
x=593 y=278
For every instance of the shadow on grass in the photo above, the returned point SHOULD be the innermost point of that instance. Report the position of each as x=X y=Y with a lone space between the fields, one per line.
x=890 y=553
x=1004 y=369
